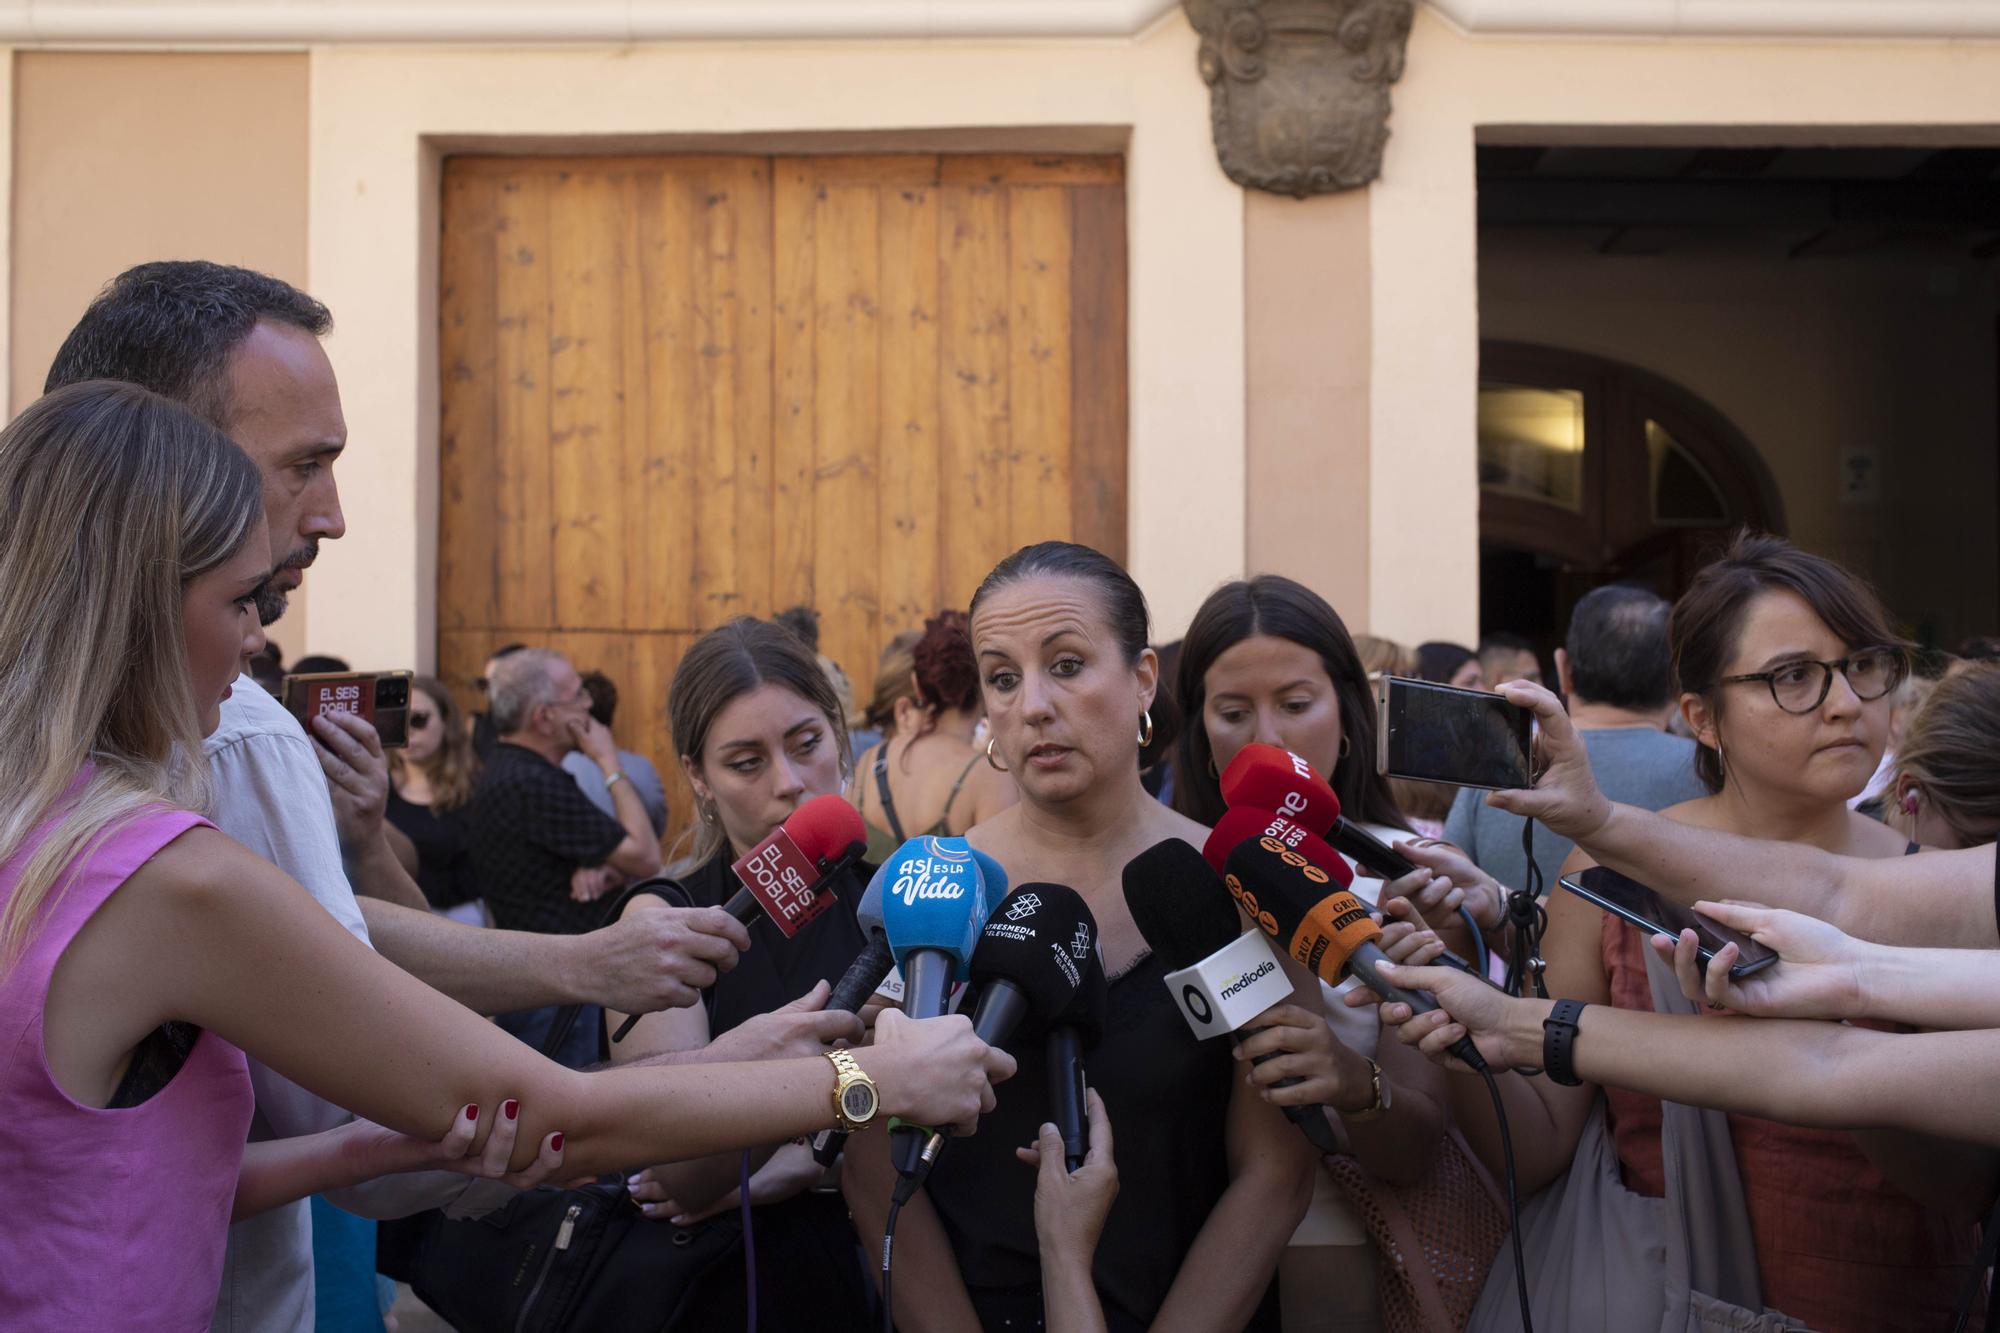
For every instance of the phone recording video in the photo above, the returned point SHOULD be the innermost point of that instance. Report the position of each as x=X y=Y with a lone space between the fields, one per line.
x=382 y=697
x=1653 y=914
x=1467 y=738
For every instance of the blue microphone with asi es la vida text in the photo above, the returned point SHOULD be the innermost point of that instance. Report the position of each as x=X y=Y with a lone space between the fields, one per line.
x=935 y=901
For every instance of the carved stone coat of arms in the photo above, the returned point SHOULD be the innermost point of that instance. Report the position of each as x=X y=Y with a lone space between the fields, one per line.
x=1299 y=89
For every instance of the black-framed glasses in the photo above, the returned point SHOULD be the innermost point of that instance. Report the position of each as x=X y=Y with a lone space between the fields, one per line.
x=1801 y=687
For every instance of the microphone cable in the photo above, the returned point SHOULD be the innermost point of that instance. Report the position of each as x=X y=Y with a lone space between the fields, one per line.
x=749 y=1242
x=888 y=1257
x=1527 y=921
x=1513 y=1198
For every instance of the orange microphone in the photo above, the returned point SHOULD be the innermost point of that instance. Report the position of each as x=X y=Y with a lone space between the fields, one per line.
x=1295 y=888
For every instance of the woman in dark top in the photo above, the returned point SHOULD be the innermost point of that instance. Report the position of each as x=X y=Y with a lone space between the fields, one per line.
x=759 y=734
x=1212 y=1179
x=430 y=781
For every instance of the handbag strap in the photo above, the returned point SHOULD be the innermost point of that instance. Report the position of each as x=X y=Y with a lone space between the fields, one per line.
x=1710 y=1245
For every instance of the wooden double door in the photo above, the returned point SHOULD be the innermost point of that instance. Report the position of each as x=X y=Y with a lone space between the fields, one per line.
x=678 y=389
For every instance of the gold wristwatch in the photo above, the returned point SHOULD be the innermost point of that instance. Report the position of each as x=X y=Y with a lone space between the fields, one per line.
x=1379 y=1106
x=855 y=1100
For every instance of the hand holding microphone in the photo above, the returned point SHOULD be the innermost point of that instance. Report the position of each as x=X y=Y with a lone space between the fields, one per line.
x=787 y=877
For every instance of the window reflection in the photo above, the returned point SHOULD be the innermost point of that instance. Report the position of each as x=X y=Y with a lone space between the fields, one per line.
x=1531 y=443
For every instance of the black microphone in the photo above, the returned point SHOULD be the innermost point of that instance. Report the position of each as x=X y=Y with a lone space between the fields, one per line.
x=864 y=975
x=1072 y=1033
x=1035 y=953
x=1186 y=916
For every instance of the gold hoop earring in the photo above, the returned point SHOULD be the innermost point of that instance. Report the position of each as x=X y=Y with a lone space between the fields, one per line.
x=707 y=809
x=997 y=768
x=1145 y=728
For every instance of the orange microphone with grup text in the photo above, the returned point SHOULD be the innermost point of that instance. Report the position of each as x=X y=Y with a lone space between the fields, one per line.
x=1294 y=886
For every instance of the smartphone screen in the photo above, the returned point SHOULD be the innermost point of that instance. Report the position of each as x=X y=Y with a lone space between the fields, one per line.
x=383 y=698
x=1469 y=738
x=1651 y=913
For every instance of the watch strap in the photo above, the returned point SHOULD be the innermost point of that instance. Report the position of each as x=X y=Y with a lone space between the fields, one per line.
x=1559 y=1034
x=613 y=778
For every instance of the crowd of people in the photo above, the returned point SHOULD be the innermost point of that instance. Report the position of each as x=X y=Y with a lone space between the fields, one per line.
x=272 y=982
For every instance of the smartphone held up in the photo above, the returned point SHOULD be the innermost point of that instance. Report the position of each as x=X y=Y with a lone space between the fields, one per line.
x=380 y=697
x=1463 y=738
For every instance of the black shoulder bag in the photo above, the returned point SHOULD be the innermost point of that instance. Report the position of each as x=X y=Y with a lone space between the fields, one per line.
x=561 y=1260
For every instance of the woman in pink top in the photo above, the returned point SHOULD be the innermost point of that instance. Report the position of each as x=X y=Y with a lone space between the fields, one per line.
x=141 y=951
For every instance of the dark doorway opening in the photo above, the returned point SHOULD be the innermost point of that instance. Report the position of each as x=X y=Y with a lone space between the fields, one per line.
x=1677 y=340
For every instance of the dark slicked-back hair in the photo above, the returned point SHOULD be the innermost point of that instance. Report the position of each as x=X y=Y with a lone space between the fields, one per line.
x=1618 y=650
x=171 y=325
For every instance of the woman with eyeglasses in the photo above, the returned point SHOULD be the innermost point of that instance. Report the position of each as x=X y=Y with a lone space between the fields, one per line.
x=431 y=779
x=1787 y=664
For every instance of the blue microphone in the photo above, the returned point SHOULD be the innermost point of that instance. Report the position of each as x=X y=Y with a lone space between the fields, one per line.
x=996 y=878
x=935 y=901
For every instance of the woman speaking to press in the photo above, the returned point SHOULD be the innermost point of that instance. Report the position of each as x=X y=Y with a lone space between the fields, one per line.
x=1212 y=1180
x=141 y=952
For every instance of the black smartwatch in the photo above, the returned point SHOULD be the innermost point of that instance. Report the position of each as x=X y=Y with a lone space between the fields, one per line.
x=1559 y=1043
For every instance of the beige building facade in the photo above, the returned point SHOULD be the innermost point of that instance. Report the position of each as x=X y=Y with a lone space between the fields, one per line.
x=1302 y=376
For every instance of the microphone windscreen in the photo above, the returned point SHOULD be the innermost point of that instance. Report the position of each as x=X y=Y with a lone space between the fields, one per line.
x=934 y=898
x=1179 y=904
x=869 y=910
x=1237 y=825
x=1042 y=938
x=1085 y=1011
x=996 y=877
x=1294 y=898
x=826 y=826
x=1266 y=777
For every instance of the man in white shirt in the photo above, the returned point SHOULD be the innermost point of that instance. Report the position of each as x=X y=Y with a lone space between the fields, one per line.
x=243 y=350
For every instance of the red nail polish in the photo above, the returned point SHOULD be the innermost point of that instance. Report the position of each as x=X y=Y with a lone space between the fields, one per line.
x=555 y=1142
x=510 y=1108
x=472 y=1111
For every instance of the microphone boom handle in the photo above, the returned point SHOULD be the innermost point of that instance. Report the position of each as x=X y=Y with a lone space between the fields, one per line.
x=863 y=975
x=1367 y=959
x=1065 y=1052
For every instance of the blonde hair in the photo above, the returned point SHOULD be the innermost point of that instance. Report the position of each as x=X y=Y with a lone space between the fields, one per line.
x=112 y=499
x=454 y=770
x=895 y=679
x=1383 y=657
x=1948 y=747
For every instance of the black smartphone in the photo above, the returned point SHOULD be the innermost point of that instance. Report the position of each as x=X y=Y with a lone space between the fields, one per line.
x=1653 y=914
x=1438 y=733
x=382 y=697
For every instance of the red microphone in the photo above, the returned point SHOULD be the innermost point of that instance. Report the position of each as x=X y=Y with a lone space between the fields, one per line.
x=1265 y=777
x=785 y=876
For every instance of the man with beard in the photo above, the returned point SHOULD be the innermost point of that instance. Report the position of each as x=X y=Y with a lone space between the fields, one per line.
x=243 y=350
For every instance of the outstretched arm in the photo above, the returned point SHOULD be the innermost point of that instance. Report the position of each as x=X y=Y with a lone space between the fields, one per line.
x=1795 y=1071
x=1944 y=899
x=207 y=933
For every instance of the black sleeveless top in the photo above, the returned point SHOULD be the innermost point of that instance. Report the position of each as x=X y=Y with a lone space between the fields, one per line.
x=777 y=970
x=810 y=1275
x=1168 y=1099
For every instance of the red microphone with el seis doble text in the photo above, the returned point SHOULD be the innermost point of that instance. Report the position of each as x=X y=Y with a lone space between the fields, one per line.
x=787 y=877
